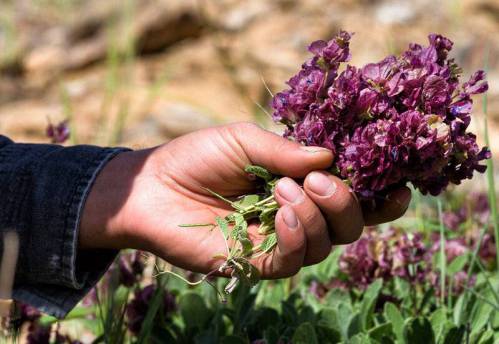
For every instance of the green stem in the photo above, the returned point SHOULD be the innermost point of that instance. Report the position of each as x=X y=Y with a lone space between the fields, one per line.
x=442 y=254
x=490 y=169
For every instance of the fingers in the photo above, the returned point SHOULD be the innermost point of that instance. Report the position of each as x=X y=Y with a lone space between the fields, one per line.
x=338 y=204
x=393 y=207
x=288 y=257
x=279 y=155
x=289 y=193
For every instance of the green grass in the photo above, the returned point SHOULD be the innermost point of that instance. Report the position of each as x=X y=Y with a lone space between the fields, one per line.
x=443 y=256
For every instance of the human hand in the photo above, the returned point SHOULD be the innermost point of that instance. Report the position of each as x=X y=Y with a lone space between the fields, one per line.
x=140 y=198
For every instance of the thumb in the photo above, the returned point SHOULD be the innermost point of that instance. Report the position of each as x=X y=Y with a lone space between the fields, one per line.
x=278 y=154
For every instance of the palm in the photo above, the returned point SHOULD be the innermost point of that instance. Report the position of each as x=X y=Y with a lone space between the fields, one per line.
x=191 y=165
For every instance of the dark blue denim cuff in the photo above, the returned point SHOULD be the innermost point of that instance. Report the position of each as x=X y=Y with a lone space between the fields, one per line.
x=43 y=190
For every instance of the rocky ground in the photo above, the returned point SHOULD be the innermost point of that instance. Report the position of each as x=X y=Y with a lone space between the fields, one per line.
x=143 y=72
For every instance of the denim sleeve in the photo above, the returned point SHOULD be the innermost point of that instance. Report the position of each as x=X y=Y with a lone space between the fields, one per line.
x=43 y=189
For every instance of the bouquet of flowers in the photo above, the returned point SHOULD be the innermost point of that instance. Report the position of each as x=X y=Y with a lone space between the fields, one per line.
x=401 y=120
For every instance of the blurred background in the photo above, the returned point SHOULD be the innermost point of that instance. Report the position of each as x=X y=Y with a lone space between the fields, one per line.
x=141 y=72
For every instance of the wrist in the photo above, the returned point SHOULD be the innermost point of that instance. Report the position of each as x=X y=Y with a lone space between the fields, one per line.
x=104 y=217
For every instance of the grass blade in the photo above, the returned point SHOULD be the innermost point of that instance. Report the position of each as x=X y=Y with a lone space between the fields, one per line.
x=490 y=173
x=443 y=258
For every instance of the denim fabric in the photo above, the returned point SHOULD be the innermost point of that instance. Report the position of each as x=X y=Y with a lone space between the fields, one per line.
x=43 y=189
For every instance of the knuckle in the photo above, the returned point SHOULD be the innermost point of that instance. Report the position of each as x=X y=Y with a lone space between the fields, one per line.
x=242 y=127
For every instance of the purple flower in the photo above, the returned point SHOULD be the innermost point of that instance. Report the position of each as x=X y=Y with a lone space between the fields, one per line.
x=458 y=283
x=487 y=250
x=401 y=120
x=453 y=219
x=410 y=257
x=25 y=314
x=386 y=255
x=476 y=84
x=317 y=289
x=453 y=248
x=137 y=308
x=38 y=334
x=331 y=52
x=366 y=260
x=479 y=202
x=130 y=268
x=58 y=133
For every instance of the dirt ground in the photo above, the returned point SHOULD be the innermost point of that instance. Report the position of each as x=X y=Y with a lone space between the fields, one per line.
x=140 y=73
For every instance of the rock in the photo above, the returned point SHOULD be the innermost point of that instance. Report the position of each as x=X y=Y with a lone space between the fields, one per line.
x=147 y=133
x=395 y=12
x=242 y=15
x=176 y=119
x=165 y=23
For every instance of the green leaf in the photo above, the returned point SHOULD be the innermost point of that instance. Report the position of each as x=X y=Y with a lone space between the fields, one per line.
x=329 y=318
x=344 y=318
x=269 y=242
x=193 y=310
x=495 y=321
x=327 y=268
x=248 y=200
x=289 y=313
x=305 y=334
x=327 y=335
x=262 y=318
x=355 y=325
x=368 y=303
x=223 y=225
x=381 y=332
x=240 y=228
x=259 y=171
x=453 y=334
x=361 y=338
x=162 y=335
x=463 y=307
x=205 y=337
x=306 y=314
x=246 y=272
x=457 y=264
x=271 y=335
x=402 y=288
x=148 y=322
x=487 y=337
x=393 y=315
x=233 y=340
x=247 y=246
x=438 y=319
x=480 y=315
x=418 y=330
x=268 y=215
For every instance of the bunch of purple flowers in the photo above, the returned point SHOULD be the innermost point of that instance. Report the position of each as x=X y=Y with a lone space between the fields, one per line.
x=403 y=119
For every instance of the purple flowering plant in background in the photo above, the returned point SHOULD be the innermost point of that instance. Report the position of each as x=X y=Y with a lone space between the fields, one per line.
x=58 y=133
x=403 y=119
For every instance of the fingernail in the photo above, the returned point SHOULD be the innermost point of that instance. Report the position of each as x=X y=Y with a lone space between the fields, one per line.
x=290 y=191
x=289 y=217
x=314 y=149
x=321 y=184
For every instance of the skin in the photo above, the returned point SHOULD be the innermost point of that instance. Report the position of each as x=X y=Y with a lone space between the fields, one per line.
x=140 y=197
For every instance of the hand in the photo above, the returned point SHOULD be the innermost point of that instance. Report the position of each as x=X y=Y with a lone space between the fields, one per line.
x=140 y=199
